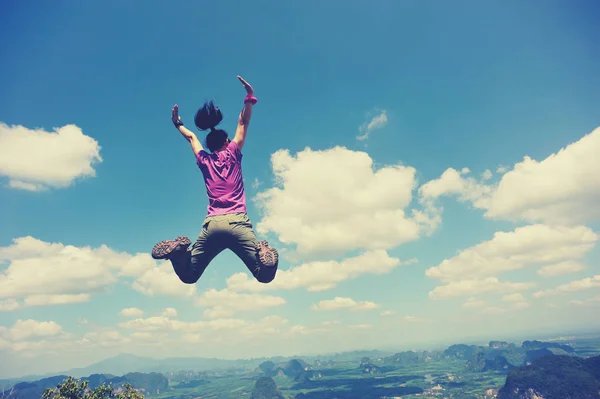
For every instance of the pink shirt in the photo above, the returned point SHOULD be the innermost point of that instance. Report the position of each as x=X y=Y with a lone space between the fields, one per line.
x=222 y=173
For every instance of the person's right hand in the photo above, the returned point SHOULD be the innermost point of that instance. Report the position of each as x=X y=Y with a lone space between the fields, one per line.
x=247 y=86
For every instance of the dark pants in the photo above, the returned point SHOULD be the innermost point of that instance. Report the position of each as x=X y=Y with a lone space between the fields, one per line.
x=230 y=231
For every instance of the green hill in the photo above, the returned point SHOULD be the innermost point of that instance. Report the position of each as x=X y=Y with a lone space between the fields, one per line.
x=265 y=388
x=554 y=377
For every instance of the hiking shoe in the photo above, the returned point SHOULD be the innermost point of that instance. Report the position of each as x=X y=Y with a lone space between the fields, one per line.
x=268 y=256
x=165 y=248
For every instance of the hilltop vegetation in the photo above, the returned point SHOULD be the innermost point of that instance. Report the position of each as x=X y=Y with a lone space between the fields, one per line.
x=265 y=388
x=149 y=384
x=554 y=377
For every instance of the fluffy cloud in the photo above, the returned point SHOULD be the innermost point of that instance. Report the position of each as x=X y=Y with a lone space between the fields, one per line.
x=162 y=280
x=319 y=275
x=104 y=338
x=63 y=273
x=473 y=303
x=474 y=269
x=513 y=298
x=594 y=301
x=344 y=303
x=558 y=269
x=225 y=303
x=561 y=189
x=132 y=312
x=24 y=330
x=573 y=286
x=197 y=331
x=34 y=159
x=477 y=286
x=170 y=312
x=8 y=305
x=333 y=201
x=454 y=182
x=376 y=121
x=31 y=337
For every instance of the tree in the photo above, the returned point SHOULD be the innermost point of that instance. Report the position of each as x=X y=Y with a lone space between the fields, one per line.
x=71 y=388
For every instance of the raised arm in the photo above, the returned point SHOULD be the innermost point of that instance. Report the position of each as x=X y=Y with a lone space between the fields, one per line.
x=245 y=115
x=185 y=132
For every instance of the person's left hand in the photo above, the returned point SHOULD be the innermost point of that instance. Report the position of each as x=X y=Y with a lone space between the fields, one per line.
x=175 y=118
x=246 y=85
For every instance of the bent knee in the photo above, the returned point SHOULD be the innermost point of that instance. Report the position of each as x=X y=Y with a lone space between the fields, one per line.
x=265 y=278
x=188 y=280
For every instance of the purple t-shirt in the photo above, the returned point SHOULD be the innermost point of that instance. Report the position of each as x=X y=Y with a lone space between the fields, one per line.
x=222 y=173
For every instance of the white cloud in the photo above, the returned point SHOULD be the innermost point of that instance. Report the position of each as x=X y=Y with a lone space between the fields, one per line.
x=349 y=207
x=573 y=286
x=225 y=303
x=477 y=286
x=454 y=182
x=104 y=338
x=153 y=323
x=561 y=189
x=528 y=246
x=192 y=338
x=586 y=302
x=60 y=299
x=473 y=303
x=218 y=312
x=63 y=273
x=170 y=312
x=558 y=269
x=24 y=330
x=338 y=303
x=319 y=275
x=513 y=298
x=35 y=159
x=487 y=174
x=8 y=305
x=162 y=280
x=375 y=122
x=132 y=312
x=387 y=313
x=223 y=326
x=304 y=330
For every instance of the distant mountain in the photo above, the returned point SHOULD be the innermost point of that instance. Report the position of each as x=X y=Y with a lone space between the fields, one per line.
x=534 y=345
x=353 y=355
x=410 y=358
x=122 y=364
x=482 y=362
x=293 y=368
x=554 y=377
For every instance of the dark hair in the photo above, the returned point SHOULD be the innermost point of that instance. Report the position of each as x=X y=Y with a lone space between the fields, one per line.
x=208 y=117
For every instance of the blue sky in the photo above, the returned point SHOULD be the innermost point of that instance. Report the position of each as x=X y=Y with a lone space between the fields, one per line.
x=449 y=86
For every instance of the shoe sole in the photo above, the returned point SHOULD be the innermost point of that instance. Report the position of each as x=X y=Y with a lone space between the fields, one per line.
x=163 y=249
x=268 y=256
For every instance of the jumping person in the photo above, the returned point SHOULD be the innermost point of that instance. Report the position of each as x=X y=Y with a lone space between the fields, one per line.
x=226 y=224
